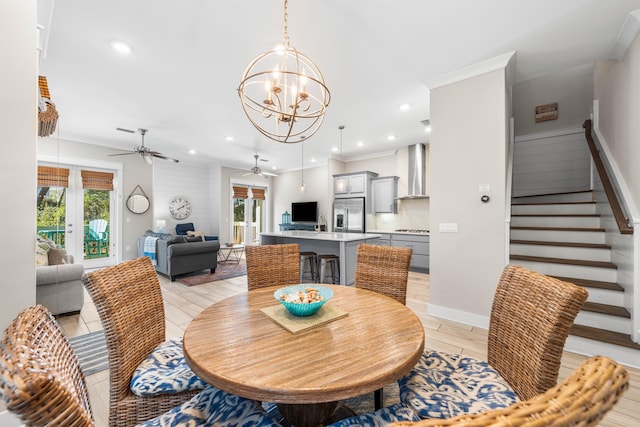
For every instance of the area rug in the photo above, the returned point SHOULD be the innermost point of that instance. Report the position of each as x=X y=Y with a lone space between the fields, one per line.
x=91 y=350
x=223 y=271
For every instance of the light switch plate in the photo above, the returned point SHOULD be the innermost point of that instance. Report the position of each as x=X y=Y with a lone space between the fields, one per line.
x=448 y=227
x=483 y=188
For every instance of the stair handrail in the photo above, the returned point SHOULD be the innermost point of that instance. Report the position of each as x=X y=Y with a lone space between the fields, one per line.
x=624 y=225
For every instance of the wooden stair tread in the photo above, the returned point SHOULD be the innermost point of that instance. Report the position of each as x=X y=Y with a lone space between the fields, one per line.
x=601 y=230
x=557 y=214
x=562 y=193
x=597 y=284
x=564 y=244
x=585 y=202
x=603 y=335
x=601 y=264
x=611 y=310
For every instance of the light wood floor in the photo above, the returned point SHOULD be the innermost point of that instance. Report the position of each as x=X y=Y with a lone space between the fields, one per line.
x=182 y=303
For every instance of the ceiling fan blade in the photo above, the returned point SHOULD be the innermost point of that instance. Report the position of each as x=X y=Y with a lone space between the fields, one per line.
x=263 y=160
x=269 y=173
x=247 y=174
x=160 y=156
x=123 y=154
x=126 y=130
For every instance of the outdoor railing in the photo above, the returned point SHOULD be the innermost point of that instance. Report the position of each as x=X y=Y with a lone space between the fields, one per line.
x=94 y=247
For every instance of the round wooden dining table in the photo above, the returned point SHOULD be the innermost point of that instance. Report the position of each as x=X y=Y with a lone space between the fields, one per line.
x=236 y=347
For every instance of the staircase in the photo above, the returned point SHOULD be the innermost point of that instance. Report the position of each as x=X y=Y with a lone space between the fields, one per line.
x=560 y=235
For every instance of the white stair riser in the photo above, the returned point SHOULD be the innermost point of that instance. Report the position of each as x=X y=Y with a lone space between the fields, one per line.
x=580 y=209
x=565 y=270
x=604 y=321
x=559 y=236
x=553 y=198
x=565 y=252
x=556 y=221
x=605 y=296
x=585 y=346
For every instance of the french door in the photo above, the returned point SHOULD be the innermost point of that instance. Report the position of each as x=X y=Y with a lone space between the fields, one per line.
x=248 y=213
x=77 y=210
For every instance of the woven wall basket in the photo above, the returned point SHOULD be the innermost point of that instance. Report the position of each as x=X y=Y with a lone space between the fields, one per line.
x=47 y=113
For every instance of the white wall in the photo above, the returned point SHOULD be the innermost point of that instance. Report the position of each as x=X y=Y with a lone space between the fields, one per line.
x=571 y=89
x=469 y=139
x=617 y=89
x=198 y=184
x=18 y=109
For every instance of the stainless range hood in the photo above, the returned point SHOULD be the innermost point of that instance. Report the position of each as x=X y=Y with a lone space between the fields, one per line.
x=416 y=180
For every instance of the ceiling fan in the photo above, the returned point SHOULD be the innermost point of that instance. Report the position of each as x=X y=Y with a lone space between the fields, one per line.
x=146 y=154
x=256 y=170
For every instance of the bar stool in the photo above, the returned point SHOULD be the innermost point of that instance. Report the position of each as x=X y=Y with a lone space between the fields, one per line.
x=309 y=259
x=333 y=263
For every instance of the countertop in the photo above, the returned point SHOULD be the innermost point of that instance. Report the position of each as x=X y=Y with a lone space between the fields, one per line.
x=413 y=233
x=322 y=235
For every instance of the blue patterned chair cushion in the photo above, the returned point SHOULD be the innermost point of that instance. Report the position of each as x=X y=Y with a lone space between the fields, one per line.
x=444 y=385
x=380 y=418
x=214 y=407
x=165 y=371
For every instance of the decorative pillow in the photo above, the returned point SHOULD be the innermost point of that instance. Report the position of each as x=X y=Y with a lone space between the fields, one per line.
x=42 y=256
x=381 y=417
x=57 y=256
x=443 y=385
x=176 y=239
x=214 y=407
x=165 y=371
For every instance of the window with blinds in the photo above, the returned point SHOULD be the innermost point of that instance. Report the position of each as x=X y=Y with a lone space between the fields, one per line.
x=240 y=192
x=92 y=180
x=49 y=176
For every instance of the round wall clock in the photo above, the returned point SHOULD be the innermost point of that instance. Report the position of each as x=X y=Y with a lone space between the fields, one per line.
x=179 y=207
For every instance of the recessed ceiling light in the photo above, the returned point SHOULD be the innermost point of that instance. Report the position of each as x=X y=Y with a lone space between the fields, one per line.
x=120 y=47
x=334 y=149
x=360 y=143
x=313 y=160
x=273 y=168
x=229 y=138
x=192 y=151
x=391 y=137
x=405 y=107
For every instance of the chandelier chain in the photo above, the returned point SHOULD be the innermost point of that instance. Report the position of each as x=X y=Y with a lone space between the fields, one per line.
x=286 y=24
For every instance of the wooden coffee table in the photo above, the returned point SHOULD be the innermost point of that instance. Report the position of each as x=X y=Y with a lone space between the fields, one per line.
x=237 y=348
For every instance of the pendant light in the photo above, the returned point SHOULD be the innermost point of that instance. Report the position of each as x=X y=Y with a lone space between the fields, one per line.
x=283 y=93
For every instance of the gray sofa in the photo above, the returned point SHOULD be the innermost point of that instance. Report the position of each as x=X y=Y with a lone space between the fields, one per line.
x=59 y=288
x=176 y=255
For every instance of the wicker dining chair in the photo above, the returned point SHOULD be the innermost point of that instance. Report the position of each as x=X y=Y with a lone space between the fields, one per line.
x=582 y=399
x=272 y=265
x=530 y=320
x=129 y=301
x=383 y=269
x=41 y=382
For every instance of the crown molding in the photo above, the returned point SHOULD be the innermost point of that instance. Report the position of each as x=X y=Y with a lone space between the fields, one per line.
x=627 y=34
x=506 y=61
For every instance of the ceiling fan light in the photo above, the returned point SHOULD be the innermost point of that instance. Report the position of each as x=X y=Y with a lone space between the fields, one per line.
x=148 y=158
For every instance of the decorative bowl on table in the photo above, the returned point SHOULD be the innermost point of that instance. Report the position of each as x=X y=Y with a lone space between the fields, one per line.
x=304 y=299
x=229 y=244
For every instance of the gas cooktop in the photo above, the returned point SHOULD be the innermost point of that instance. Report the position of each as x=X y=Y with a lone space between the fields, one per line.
x=405 y=230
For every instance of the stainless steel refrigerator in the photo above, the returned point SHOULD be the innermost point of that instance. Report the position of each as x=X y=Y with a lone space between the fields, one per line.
x=349 y=215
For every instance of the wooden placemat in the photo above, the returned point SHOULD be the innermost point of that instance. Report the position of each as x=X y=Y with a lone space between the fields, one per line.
x=296 y=324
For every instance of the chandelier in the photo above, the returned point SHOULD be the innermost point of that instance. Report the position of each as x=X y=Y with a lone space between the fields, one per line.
x=283 y=93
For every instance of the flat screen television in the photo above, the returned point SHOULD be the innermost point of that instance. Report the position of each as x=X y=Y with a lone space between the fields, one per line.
x=304 y=211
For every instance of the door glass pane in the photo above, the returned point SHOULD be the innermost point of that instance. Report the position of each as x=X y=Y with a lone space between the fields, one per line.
x=50 y=218
x=256 y=220
x=96 y=223
x=238 y=220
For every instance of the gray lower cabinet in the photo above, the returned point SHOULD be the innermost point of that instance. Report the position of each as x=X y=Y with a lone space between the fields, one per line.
x=385 y=240
x=420 y=246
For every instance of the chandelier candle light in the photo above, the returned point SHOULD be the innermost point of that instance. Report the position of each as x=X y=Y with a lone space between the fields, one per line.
x=283 y=93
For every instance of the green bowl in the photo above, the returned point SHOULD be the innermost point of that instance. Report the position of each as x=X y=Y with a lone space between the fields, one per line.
x=302 y=309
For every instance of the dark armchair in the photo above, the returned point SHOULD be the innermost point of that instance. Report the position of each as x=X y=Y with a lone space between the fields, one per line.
x=182 y=229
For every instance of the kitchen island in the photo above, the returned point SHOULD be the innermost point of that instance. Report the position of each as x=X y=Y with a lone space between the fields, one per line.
x=345 y=245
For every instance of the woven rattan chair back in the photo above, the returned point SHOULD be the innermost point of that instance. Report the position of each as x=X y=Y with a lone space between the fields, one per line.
x=383 y=269
x=129 y=301
x=530 y=320
x=583 y=399
x=272 y=265
x=41 y=379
